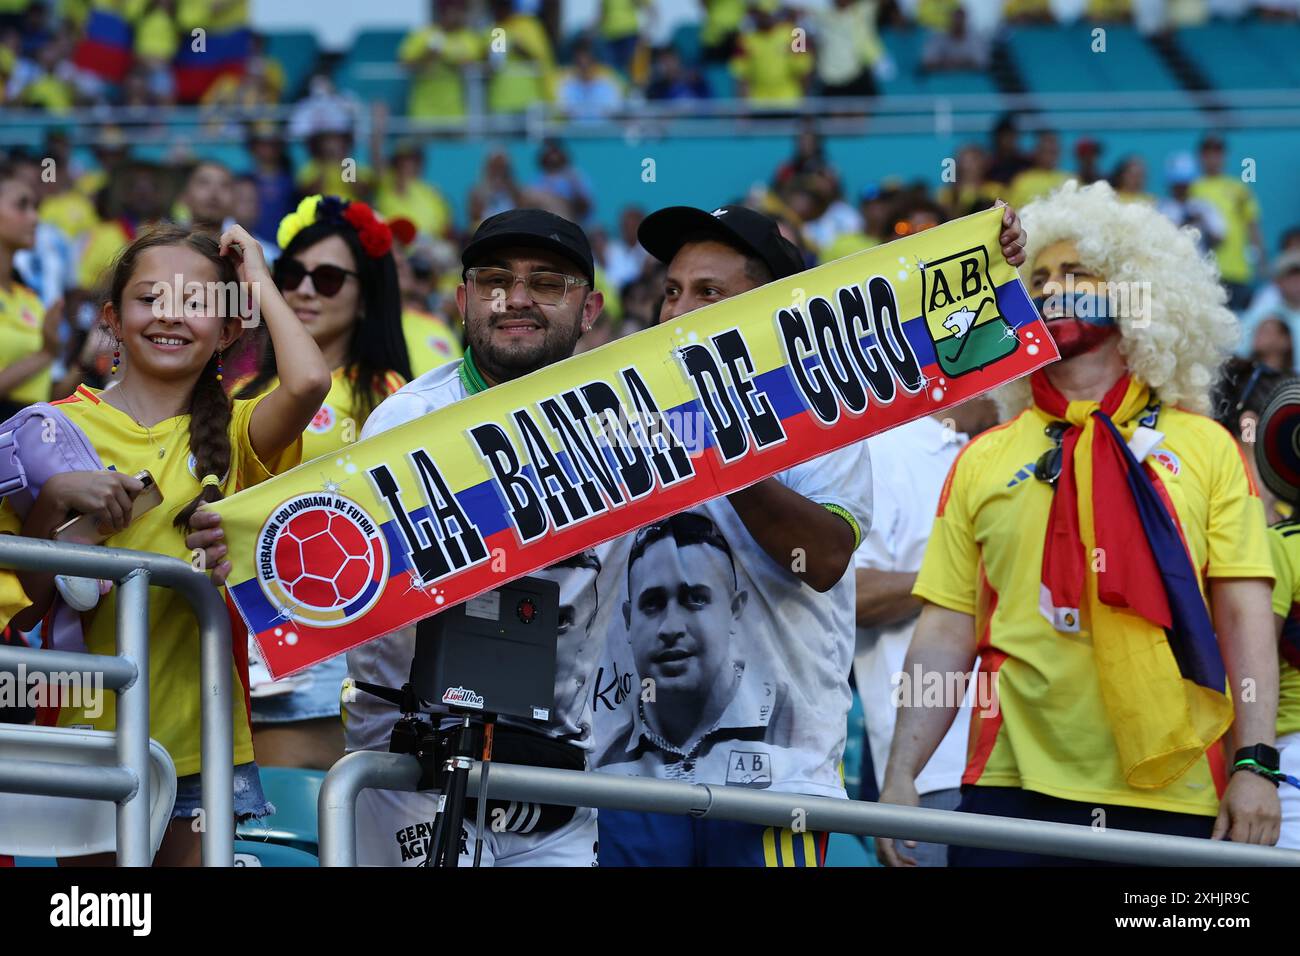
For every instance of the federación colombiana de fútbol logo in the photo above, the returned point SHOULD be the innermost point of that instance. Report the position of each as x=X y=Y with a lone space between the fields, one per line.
x=321 y=559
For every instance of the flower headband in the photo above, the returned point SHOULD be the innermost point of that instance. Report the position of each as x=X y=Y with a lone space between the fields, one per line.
x=375 y=235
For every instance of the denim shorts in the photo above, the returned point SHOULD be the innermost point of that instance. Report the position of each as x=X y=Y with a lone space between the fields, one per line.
x=316 y=697
x=250 y=801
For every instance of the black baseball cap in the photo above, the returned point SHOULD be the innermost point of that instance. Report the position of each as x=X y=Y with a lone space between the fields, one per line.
x=531 y=228
x=663 y=234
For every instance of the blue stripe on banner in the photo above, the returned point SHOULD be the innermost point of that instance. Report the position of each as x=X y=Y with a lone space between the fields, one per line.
x=220 y=49
x=109 y=29
x=1191 y=639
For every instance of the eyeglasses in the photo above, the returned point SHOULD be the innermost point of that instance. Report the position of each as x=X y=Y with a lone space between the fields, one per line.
x=544 y=288
x=1048 y=467
x=326 y=279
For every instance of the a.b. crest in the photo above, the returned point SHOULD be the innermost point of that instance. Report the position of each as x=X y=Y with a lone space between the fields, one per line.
x=959 y=302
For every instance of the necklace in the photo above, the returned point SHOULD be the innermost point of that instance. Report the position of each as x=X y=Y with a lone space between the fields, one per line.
x=130 y=411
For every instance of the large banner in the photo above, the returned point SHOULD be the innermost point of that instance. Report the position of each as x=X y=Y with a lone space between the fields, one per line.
x=355 y=545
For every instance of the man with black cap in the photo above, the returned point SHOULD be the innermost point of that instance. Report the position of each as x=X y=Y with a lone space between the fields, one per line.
x=792 y=537
x=526 y=297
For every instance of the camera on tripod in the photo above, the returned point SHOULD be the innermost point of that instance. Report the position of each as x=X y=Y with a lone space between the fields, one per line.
x=491 y=656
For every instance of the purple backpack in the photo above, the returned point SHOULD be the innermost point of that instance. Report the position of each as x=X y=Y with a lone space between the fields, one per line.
x=38 y=442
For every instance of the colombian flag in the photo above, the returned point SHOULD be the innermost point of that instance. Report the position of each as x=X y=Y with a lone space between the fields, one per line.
x=201 y=60
x=105 y=49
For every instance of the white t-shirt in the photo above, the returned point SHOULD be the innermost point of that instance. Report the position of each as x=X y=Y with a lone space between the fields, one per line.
x=769 y=654
x=584 y=608
x=909 y=465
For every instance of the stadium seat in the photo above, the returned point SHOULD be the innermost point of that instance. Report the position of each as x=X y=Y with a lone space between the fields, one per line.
x=376 y=46
x=297 y=52
x=686 y=41
x=374 y=81
x=251 y=853
x=42 y=826
x=293 y=792
x=720 y=81
x=1061 y=60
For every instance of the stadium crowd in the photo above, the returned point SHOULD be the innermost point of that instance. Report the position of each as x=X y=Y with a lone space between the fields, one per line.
x=380 y=293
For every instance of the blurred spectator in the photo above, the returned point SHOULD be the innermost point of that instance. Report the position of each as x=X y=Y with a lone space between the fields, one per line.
x=1187 y=210
x=326 y=120
x=670 y=80
x=110 y=152
x=259 y=85
x=207 y=199
x=323 y=108
x=403 y=191
x=246 y=209
x=1027 y=11
x=156 y=43
x=436 y=57
x=809 y=160
x=1087 y=154
x=589 y=90
x=1240 y=211
x=620 y=30
x=561 y=187
x=49 y=87
x=1043 y=176
x=848 y=47
x=430 y=341
x=1129 y=180
x=1109 y=11
x=136 y=198
x=521 y=61
x=957 y=48
x=1007 y=162
x=831 y=218
x=1273 y=345
x=1280 y=299
x=769 y=71
x=496 y=190
x=625 y=260
x=1244 y=389
x=49 y=264
x=277 y=196
x=721 y=27
x=972 y=191
x=1290 y=240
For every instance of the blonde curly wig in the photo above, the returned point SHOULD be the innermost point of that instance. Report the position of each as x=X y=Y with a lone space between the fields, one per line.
x=1186 y=333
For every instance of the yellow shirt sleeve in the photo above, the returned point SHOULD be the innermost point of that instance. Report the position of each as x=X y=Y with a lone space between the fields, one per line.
x=12 y=596
x=1284 y=580
x=252 y=470
x=413 y=45
x=949 y=574
x=1236 y=537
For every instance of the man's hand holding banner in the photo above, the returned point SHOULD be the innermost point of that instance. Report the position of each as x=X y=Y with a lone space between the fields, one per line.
x=349 y=547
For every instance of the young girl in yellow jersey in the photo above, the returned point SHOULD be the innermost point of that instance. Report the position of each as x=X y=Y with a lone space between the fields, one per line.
x=338 y=275
x=29 y=335
x=169 y=414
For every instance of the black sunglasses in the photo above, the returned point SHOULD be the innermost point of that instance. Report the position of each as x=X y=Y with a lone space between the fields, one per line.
x=326 y=279
x=1048 y=467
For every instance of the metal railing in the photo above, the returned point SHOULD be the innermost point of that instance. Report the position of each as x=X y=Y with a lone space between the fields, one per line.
x=364 y=770
x=128 y=675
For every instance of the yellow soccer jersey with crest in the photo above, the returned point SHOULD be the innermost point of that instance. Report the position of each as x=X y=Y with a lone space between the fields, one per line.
x=21 y=318
x=174 y=685
x=1047 y=729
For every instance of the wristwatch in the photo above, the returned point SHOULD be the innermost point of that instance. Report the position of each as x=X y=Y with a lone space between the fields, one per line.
x=1260 y=759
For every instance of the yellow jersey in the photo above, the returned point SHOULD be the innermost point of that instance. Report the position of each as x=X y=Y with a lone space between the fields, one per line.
x=1285 y=541
x=430 y=342
x=1050 y=731
x=174 y=685
x=438 y=89
x=1239 y=208
x=21 y=319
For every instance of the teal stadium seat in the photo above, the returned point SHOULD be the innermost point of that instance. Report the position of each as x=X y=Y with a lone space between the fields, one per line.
x=906 y=48
x=297 y=52
x=1061 y=60
x=376 y=46
x=294 y=793
x=249 y=853
x=371 y=71
x=1244 y=56
x=686 y=41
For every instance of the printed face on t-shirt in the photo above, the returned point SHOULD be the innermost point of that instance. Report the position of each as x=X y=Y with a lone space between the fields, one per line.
x=682 y=609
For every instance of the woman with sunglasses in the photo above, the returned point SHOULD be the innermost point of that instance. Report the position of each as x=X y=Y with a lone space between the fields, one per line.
x=338 y=275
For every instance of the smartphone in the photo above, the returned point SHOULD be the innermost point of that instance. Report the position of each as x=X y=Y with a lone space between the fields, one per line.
x=84 y=529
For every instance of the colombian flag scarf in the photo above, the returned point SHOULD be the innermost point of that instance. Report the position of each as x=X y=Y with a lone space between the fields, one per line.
x=1162 y=677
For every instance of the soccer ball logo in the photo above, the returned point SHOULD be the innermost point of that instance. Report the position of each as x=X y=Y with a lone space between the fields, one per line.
x=322 y=560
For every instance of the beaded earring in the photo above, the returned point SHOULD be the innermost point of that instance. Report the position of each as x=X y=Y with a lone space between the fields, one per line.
x=117 y=356
x=220 y=367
